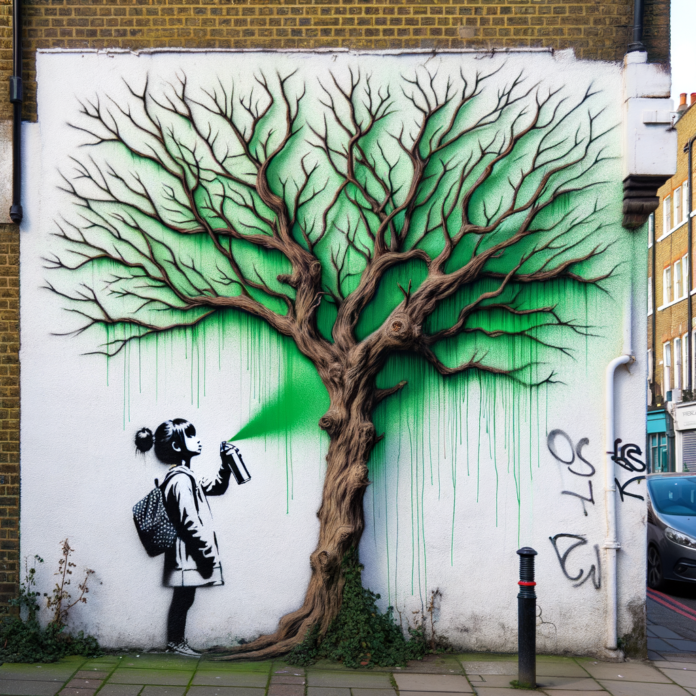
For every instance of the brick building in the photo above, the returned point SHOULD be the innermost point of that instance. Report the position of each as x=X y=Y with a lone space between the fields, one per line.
x=593 y=29
x=671 y=306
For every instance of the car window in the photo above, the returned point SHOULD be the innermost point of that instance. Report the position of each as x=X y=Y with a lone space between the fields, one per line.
x=674 y=496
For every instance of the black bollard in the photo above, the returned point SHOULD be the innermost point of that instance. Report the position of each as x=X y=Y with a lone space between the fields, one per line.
x=526 y=621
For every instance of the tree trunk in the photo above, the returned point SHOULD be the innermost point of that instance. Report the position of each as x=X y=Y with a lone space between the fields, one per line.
x=341 y=520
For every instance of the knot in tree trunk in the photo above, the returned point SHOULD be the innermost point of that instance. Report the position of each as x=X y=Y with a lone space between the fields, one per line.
x=400 y=330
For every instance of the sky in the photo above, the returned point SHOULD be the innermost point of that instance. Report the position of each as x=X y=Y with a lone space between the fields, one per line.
x=683 y=48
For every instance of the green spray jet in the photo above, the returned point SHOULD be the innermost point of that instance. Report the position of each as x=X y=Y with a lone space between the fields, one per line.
x=299 y=403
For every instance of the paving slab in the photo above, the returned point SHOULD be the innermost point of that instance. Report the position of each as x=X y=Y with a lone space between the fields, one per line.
x=497 y=691
x=500 y=667
x=486 y=657
x=669 y=664
x=564 y=692
x=91 y=674
x=568 y=683
x=78 y=683
x=163 y=691
x=287 y=679
x=160 y=677
x=683 y=677
x=659 y=645
x=98 y=666
x=326 y=666
x=630 y=671
x=328 y=691
x=373 y=692
x=160 y=661
x=682 y=645
x=498 y=680
x=560 y=669
x=223 y=691
x=208 y=665
x=77 y=692
x=636 y=689
x=358 y=680
x=432 y=682
x=662 y=632
x=438 y=693
x=654 y=657
x=25 y=687
x=120 y=690
x=286 y=690
x=434 y=664
x=284 y=669
x=55 y=673
x=218 y=678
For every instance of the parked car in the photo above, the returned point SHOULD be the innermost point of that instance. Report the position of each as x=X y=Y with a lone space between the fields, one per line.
x=671 y=528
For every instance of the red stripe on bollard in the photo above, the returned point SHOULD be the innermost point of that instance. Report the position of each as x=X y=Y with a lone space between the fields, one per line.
x=527 y=584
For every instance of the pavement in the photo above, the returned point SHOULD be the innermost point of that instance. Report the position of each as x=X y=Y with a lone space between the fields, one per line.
x=671 y=670
x=150 y=674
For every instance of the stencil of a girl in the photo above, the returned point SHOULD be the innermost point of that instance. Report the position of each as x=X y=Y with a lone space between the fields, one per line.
x=194 y=560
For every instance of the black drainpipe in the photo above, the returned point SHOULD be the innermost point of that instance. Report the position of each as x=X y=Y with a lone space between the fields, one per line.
x=16 y=213
x=688 y=148
x=637 y=43
x=654 y=314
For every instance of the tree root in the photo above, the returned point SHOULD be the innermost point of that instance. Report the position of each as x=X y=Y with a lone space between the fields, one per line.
x=291 y=632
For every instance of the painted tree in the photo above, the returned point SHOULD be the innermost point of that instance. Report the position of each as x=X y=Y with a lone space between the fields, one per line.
x=293 y=202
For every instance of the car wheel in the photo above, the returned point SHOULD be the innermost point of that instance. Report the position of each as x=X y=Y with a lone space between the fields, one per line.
x=655 y=578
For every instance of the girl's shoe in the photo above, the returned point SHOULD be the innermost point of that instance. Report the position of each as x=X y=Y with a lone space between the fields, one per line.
x=182 y=648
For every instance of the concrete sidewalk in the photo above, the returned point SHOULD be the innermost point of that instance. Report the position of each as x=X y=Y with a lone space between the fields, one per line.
x=151 y=674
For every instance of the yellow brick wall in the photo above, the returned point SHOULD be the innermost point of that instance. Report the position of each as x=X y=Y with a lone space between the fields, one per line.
x=672 y=322
x=595 y=29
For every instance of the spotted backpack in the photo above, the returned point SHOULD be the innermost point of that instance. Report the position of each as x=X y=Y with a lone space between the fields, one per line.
x=155 y=529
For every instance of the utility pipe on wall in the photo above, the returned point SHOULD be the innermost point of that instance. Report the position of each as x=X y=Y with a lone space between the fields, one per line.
x=611 y=543
x=638 y=13
x=688 y=148
x=16 y=213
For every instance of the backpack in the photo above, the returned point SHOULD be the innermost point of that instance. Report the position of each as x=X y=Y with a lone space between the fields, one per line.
x=154 y=527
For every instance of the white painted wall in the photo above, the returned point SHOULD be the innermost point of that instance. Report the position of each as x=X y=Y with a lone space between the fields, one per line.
x=80 y=476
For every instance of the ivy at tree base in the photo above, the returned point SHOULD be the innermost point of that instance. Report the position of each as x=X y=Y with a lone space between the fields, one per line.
x=27 y=641
x=360 y=635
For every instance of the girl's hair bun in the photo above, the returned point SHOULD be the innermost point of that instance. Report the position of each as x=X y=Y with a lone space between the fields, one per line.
x=144 y=440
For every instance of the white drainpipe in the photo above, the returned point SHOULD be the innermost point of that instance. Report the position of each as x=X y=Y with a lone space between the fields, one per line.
x=611 y=544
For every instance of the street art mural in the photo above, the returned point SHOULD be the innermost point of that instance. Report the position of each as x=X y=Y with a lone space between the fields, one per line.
x=396 y=279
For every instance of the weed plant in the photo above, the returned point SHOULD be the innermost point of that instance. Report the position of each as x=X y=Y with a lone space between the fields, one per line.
x=23 y=639
x=361 y=635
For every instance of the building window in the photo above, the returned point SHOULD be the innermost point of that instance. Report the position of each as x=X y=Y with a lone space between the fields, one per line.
x=667 y=215
x=650 y=297
x=667 y=285
x=651 y=229
x=666 y=367
x=685 y=274
x=650 y=366
x=677 y=363
x=685 y=361
x=658 y=453
x=678 y=206
x=678 y=286
x=685 y=197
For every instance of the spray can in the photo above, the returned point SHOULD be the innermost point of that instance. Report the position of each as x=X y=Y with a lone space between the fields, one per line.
x=233 y=458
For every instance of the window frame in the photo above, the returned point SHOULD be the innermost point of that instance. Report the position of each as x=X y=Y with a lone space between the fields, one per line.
x=666 y=285
x=667 y=215
x=678 y=206
x=666 y=367
x=678 y=367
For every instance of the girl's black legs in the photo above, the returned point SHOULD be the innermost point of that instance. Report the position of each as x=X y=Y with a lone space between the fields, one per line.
x=176 y=620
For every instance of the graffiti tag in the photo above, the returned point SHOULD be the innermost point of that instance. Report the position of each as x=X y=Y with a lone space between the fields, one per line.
x=594 y=573
x=626 y=458
x=585 y=471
